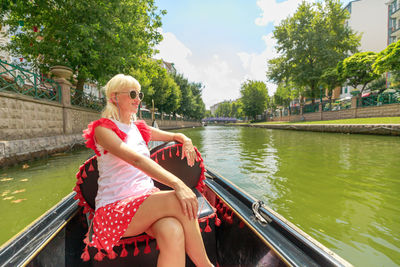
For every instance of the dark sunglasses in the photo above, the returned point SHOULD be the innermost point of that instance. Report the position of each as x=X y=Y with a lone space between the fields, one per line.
x=133 y=94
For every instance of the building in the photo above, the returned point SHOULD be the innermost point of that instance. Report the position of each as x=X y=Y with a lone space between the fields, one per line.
x=394 y=21
x=370 y=19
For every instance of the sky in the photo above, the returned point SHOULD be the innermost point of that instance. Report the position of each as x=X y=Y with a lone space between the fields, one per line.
x=222 y=43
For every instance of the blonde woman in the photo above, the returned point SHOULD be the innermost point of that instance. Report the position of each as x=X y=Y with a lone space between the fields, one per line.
x=127 y=203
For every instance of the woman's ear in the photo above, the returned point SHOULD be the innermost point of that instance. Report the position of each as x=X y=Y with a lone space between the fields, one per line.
x=113 y=98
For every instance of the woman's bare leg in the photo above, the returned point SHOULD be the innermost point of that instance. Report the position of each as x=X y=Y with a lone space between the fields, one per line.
x=170 y=240
x=166 y=204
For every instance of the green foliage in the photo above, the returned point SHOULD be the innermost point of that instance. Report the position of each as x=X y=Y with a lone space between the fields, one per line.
x=395 y=80
x=191 y=105
x=331 y=79
x=96 y=38
x=285 y=93
x=357 y=69
x=233 y=109
x=224 y=109
x=311 y=41
x=388 y=59
x=378 y=85
x=166 y=95
x=254 y=96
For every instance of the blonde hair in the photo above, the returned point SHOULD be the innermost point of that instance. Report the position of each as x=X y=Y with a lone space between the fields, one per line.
x=117 y=83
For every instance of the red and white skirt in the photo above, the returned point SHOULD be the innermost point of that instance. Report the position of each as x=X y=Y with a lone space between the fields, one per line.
x=109 y=225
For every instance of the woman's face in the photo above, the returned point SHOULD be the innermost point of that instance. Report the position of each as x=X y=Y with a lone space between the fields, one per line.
x=126 y=102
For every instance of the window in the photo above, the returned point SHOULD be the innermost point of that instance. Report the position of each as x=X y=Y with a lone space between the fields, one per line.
x=345 y=90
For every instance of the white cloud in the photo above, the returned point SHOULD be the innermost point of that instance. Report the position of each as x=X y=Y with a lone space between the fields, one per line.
x=221 y=73
x=255 y=64
x=274 y=12
x=219 y=80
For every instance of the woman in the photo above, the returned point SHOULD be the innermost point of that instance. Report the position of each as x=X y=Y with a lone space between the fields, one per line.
x=127 y=203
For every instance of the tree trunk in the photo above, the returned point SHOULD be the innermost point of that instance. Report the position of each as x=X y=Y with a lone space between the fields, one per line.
x=78 y=96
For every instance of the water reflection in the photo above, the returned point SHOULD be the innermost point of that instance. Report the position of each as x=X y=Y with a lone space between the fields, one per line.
x=341 y=189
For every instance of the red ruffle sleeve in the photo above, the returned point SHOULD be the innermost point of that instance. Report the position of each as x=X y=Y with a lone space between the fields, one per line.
x=88 y=134
x=144 y=130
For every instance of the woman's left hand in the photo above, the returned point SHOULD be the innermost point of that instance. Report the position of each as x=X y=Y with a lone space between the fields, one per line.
x=189 y=152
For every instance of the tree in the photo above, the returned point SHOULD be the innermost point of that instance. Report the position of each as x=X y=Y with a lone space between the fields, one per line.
x=357 y=69
x=166 y=95
x=378 y=85
x=388 y=59
x=96 y=38
x=331 y=79
x=314 y=39
x=224 y=109
x=187 y=100
x=254 y=96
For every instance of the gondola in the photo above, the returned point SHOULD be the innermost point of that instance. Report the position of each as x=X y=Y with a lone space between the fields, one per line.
x=237 y=229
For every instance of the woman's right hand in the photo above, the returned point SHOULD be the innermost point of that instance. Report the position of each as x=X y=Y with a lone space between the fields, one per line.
x=188 y=200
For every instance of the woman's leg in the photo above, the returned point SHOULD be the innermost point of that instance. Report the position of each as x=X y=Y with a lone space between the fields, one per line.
x=166 y=204
x=170 y=240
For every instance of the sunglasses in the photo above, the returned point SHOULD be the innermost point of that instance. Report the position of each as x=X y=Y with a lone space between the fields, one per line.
x=133 y=94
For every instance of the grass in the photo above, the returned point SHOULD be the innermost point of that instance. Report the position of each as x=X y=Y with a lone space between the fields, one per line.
x=381 y=120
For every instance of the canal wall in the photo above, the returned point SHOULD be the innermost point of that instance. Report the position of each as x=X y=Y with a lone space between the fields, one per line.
x=377 y=129
x=31 y=128
x=390 y=110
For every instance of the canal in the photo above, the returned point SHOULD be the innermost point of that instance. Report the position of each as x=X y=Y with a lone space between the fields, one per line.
x=343 y=190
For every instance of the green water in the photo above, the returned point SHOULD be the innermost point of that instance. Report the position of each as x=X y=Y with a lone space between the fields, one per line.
x=26 y=193
x=343 y=190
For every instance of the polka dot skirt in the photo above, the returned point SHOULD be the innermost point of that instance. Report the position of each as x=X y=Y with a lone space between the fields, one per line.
x=110 y=223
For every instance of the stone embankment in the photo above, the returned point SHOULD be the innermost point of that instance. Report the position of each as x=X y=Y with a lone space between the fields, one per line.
x=378 y=129
x=31 y=128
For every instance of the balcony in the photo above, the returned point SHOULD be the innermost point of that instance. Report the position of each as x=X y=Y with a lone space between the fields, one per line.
x=395 y=11
x=395 y=32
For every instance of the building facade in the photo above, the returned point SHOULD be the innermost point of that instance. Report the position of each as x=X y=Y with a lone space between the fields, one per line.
x=370 y=19
x=394 y=21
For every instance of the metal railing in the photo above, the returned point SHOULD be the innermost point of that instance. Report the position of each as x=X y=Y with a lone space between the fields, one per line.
x=379 y=100
x=82 y=99
x=309 y=108
x=21 y=81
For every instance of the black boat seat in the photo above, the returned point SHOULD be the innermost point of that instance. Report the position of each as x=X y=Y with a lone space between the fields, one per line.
x=168 y=156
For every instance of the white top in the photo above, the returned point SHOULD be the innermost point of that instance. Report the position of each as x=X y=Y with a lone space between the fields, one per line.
x=117 y=178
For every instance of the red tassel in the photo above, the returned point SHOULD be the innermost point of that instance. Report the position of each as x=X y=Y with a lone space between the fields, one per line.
x=226 y=215
x=147 y=249
x=91 y=216
x=208 y=228
x=79 y=181
x=170 y=154
x=156 y=160
x=112 y=255
x=162 y=157
x=86 y=209
x=217 y=220
x=177 y=151
x=84 y=175
x=99 y=256
x=124 y=252
x=229 y=219
x=85 y=255
x=91 y=168
x=136 y=251
x=241 y=224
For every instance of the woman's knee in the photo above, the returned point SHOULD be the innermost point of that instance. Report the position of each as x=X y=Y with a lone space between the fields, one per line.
x=169 y=231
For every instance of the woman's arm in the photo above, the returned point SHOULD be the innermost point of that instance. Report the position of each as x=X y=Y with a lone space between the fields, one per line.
x=114 y=145
x=187 y=148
